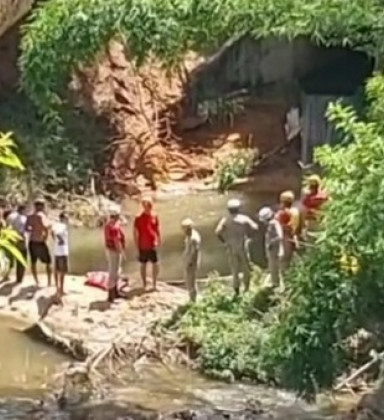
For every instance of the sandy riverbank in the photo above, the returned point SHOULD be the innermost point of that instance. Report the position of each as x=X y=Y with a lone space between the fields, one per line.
x=86 y=323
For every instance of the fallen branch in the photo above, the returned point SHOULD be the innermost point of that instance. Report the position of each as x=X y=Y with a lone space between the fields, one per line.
x=275 y=151
x=376 y=358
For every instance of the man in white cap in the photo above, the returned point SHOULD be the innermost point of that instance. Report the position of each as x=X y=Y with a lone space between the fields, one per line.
x=115 y=245
x=274 y=244
x=234 y=230
x=191 y=256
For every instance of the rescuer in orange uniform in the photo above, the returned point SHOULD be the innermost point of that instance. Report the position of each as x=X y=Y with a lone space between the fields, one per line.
x=312 y=200
x=289 y=218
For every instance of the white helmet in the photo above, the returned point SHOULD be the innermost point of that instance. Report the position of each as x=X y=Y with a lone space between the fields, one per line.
x=114 y=210
x=265 y=214
x=187 y=223
x=234 y=204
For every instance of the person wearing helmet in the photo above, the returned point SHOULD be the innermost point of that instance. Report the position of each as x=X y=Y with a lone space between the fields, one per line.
x=312 y=200
x=234 y=231
x=289 y=217
x=274 y=249
x=115 y=246
x=191 y=256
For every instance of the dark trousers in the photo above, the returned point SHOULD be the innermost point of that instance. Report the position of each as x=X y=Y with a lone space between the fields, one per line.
x=20 y=268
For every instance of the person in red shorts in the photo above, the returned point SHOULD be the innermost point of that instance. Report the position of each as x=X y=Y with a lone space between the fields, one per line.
x=147 y=240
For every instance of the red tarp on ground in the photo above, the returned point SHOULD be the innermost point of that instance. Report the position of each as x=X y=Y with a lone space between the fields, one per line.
x=99 y=279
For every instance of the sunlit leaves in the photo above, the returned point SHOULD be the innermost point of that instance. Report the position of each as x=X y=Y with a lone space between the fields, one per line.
x=8 y=158
x=7 y=155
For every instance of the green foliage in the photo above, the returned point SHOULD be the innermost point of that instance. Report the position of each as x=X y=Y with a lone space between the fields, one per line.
x=61 y=34
x=228 y=330
x=326 y=302
x=9 y=159
x=222 y=110
x=237 y=165
x=47 y=154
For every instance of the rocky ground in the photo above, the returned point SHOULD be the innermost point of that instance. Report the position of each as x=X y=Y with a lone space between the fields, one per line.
x=86 y=324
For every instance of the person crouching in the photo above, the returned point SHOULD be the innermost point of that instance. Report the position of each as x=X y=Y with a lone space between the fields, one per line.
x=191 y=257
x=274 y=247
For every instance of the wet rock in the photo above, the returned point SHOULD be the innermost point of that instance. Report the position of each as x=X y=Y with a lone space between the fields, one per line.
x=213 y=414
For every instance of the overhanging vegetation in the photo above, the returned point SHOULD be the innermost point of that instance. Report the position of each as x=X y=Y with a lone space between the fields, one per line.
x=61 y=34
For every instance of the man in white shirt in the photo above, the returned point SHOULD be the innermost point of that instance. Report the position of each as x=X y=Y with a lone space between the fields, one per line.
x=234 y=231
x=60 y=251
x=17 y=220
x=191 y=256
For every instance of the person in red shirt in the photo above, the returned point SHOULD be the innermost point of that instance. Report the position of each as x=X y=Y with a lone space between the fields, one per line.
x=312 y=201
x=147 y=240
x=115 y=245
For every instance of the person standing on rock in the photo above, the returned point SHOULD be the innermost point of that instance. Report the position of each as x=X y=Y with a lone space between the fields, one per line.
x=234 y=231
x=17 y=220
x=115 y=246
x=191 y=256
x=38 y=226
x=274 y=247
x=60 y=252
x=147 y=240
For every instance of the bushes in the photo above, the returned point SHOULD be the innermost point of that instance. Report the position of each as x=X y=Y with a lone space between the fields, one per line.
x=228 y=330
x=326 y=302
x=238 y=165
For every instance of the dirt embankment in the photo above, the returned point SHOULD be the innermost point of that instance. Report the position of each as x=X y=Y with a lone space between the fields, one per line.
x=157 y=139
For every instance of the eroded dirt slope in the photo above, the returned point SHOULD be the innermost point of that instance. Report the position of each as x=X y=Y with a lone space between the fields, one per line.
x=155 y=139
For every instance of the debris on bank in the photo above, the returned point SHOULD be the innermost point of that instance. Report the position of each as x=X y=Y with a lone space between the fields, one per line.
x=88 y=327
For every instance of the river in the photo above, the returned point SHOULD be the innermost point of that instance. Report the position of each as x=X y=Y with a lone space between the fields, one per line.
x=26 y=366
x=205 y=209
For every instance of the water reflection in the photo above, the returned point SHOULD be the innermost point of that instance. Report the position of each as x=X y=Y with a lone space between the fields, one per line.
x=25 y=365
x=205 y=209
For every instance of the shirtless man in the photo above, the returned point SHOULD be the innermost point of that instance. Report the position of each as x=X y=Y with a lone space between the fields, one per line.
x=38 y=226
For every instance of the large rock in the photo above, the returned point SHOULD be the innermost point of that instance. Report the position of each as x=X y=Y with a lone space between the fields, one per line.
x=11 y=11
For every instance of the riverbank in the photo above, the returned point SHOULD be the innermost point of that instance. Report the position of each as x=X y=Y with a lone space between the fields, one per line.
x=89 y=210
x=86 y=325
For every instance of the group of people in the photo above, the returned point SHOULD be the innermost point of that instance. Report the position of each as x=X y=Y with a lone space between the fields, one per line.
x=147 y=239
x=287 y=228
x=33 y=232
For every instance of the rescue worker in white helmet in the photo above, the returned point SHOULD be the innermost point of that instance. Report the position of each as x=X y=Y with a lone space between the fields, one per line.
x=191 y=256
x=234 y=230
x=274 y=246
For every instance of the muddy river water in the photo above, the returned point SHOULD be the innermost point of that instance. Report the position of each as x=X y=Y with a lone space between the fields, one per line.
x=26 y=366
x=205 y=209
